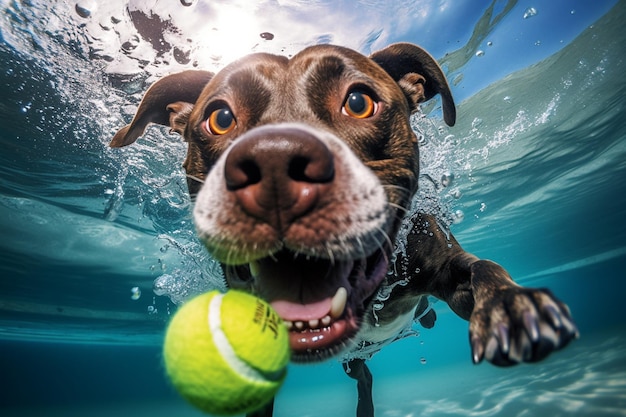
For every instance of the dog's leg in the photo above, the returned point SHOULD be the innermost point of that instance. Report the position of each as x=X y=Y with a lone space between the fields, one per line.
x=508 y=323
x=266 y=411
x=357 y=369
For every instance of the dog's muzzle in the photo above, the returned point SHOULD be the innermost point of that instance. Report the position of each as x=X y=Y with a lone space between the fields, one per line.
x=296 y=218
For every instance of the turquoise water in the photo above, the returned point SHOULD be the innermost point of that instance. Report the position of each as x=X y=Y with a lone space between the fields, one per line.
x=99 y=246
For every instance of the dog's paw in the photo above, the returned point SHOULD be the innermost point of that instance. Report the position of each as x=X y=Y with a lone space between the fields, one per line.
x=517 y=324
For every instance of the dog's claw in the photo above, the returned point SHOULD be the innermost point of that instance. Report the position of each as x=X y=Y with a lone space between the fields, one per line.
x=518 y=324
x=503 y=337
x=554 y=316
x=478 y=350
x=531 y=326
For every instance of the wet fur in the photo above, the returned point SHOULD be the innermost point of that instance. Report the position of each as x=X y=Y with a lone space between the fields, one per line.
x=509 y=324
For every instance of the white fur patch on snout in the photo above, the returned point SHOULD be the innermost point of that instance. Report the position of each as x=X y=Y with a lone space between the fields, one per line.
x=358 y=212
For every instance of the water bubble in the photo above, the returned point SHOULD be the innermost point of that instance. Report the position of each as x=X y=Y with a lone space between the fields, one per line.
x=476 y=122
x=267 y=36
x=131 y=43
x=489 y=43
x=507 y=99
x=456 y=193
x=572 y=12
x=446 y=179
x=537 y=43
x=182 y=56
x=530 y=12
x=152 y=310
x=458 y=216
x=483 y=207
x=135 y=293
x=423 y=360
x=480 y=52
x=84 y=8
x=186 y=3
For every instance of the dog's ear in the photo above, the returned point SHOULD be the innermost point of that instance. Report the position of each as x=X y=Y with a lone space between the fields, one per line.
x=167 y=102
x=418 y=74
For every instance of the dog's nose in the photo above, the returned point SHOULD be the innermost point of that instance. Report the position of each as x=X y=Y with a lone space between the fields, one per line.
x=278 y=173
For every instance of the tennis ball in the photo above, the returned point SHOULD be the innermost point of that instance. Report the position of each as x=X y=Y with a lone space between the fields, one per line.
x=226 y=353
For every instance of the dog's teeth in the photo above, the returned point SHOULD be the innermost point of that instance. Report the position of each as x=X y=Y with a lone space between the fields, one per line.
x=338 y=304
x=326 y=320
x=288 y=324
x=299 y=325
x=314 y=324
x=254 y=269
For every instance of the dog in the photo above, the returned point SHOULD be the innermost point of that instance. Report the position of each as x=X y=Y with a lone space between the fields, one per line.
x=303 y=170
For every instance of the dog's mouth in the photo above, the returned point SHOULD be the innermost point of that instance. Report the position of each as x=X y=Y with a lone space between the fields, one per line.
x=321 y=301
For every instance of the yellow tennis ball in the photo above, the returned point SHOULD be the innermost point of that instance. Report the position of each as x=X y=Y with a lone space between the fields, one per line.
x=226 y=353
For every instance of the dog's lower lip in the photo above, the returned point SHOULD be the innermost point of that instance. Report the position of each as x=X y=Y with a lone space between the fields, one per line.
x=310 y=340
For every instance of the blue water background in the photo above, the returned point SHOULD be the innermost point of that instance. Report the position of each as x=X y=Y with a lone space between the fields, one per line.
x=538 y=154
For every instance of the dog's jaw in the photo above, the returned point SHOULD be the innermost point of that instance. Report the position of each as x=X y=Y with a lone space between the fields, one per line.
x=322 y=302
x=321 y=270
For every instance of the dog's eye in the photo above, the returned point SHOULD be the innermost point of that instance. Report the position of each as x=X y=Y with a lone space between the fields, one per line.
x=220 y=121
x=359 y=105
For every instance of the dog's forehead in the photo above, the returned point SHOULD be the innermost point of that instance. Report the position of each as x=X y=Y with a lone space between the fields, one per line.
x=315 y=64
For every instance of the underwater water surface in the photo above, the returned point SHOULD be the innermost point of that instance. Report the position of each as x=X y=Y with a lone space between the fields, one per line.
x=99 y=247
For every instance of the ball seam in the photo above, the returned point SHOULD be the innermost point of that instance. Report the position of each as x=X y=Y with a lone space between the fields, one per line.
x=225 y=348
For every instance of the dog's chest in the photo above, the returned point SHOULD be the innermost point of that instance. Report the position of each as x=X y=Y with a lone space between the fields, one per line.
x=375 y=330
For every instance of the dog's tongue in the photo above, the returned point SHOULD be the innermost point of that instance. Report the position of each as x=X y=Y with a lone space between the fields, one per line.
x=292 y=311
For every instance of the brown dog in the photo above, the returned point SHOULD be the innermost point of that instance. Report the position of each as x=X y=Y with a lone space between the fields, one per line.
x=304 y=169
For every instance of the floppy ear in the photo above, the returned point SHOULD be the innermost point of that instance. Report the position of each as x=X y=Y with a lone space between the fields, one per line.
x=167 y=102
x=418 y=74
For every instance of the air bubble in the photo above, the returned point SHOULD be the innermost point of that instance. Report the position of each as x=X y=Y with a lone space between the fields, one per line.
x=446 y=179
x=135 y=293
x=423 y=360
x=530 y=12
x=85 y=8
x=476 y=123
x=480 y=52
x=456 y=193
x=267 y=36
x=131 y=44
x=458 y=216
x=187 y=3
x=163 y=284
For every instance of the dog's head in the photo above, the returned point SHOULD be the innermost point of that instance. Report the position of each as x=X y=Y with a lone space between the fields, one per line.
x=303 y=169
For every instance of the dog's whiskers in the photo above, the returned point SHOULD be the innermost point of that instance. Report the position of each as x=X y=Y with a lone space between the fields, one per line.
x=200 y=180
x=398 y=207
x=399 y=188
x=386 y=238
